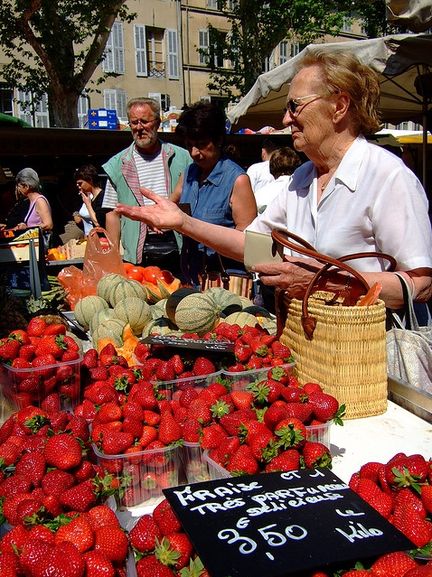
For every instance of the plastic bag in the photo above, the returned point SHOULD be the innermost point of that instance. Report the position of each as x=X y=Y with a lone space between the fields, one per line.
x=101 y=256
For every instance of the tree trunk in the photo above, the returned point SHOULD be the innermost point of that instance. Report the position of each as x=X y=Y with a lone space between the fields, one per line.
x=63 y=107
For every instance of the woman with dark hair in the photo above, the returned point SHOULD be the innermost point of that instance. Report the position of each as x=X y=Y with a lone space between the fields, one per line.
x=91 y=212
x=213 y=188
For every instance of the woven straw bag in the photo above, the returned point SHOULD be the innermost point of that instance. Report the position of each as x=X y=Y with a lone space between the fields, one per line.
x=341 y=346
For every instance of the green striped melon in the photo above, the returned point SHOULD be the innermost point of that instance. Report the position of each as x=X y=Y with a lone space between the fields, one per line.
x=224 y=298
x=106 y=284
x=99 y=317
x=109 y=329
x=87 y=307
x=126 y=288
x=134 y=311
x=196 y=313
x=159 y=309
x=241 y=318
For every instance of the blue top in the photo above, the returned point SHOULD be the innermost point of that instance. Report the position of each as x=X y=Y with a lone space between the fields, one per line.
x=209 y=202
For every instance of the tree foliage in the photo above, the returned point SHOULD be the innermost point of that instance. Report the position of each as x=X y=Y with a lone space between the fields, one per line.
x=54 y=47
x=257 y=27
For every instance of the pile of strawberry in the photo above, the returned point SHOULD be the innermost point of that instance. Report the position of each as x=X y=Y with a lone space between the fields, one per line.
x=253 y=348
x=401 y=491
x=90 y=544
x=40 y=357
x=263 y=427
x=44 y=467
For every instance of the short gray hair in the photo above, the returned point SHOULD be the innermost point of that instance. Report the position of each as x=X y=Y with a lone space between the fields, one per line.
x=140 y=101
x=29 y=177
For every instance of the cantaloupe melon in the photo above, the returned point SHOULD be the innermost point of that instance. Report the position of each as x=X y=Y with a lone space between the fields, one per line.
x=196 y=313
x=109 y=329
x=134 y=311
x=126 y=288
x=106 y=284
x=100 y=316
x=159 y=309
x=224 y=298
x=175 y=298
x=242 y=319
x=87 y=307
x=161 y=326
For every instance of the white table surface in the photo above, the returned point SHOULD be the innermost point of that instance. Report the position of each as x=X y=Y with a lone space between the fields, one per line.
x=378 y=439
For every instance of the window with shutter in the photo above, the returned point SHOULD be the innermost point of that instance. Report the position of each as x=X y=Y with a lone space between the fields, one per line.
x=204 y=46
x=140 y=50
x=31 y=111
x=172 y=54
x=114 y=51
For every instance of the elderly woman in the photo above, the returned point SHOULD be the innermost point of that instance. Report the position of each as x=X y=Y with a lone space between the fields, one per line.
x=351 y=196
x=215 y=188
x=39 y=211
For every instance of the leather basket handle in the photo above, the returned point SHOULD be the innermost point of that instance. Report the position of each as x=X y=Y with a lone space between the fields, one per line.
x=303 y=247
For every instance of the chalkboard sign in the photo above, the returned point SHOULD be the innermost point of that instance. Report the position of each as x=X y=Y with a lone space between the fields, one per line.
x=276 y=524
x=198 y=344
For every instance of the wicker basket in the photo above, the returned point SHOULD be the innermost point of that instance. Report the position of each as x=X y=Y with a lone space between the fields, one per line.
x=346 y=355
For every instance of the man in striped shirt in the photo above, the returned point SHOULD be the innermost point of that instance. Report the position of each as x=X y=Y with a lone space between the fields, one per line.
x=147 y=163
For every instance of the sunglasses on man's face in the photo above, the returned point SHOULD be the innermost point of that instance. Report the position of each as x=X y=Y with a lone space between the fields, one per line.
x=294 y=103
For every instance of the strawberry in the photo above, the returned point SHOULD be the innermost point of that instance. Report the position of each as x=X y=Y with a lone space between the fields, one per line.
x=226 y=448
x=97 y=565
x=165 y=371
x=281 y=351
x=15 y=485
x=406 y=471
x=288 y=460
x=301 y=411
x=310 y=388
x=420 y=571
x=372 y=494
x=174 y=550
x=141 y=352
x=291 y=433
x=19 y=335
x=165 y=518
x=111 y=542
x=33 y=552
x=55 y=482
x=212 y=436
x=242 y=399
x=55 y=329
x=426 y=497
x=109 y=349
x=144 y=534
x=116 y=442
x=325 y=407
x=262 y=443
x=36 y=327
x=412 y=524
x=234 y=420
x=90 y=359
x=187 y=395
x=150 y=566
x=371 y=470
x=316 y=455
x=259 y=347
x=9 y=349
x=28 y=510
x=110 y=411
x=63 y=451
x=393 y=565
x=203 y=366
x=191 y=430
x=98 y=373
x=27 y=352
x=79 y=497
x=33 y=466
x=243 y=462
x=200 y=411
x=177 y=364
x=169 y=430
x=275 y=413
x=77 y=531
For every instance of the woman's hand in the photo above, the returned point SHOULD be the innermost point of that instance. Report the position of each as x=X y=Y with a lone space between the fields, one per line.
x=293 y=274
x=20 y=226
x=163 y=214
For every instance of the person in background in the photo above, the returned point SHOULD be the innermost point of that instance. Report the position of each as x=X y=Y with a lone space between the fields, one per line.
x=39 y=210
x=146 y=163
x=17 y=212
x=214 y=188
x=259 y=173
x=91 y=212
x=283 y=162
x=351 y=196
